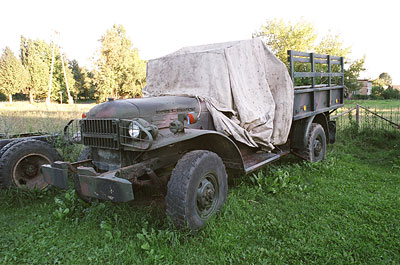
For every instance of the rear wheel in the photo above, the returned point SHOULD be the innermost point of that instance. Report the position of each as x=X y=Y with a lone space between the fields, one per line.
x=197 y=189
x=20 y=164
x=316 y=144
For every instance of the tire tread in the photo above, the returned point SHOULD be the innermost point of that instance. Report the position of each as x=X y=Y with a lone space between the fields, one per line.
x=177 y=199
x=5 y=181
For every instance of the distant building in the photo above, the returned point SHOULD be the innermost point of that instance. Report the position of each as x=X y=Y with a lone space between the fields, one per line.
x=397 y=87
x=366 y=87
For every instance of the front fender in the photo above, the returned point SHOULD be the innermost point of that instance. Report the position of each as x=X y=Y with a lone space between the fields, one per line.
x=195 y=139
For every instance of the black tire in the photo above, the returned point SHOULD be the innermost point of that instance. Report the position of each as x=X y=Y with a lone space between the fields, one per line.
x=7 y=146
x=316 y=144
x=84 y=155
x=197 y=189
x=4 y=149
x=20 y=164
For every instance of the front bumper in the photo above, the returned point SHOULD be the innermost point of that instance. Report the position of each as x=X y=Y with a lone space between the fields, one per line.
x=105 y=186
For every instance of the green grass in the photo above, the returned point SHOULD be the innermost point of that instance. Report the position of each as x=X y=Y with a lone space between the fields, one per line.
x=22 y=117
x=379 y=104
x=344 y=210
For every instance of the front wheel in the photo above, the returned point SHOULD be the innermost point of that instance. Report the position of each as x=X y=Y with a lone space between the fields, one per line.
x=197 y=189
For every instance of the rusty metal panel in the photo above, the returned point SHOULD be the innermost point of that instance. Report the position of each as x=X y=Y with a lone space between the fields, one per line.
x=105 y=186
x=321 y=99
x=56 y=174
x=336 y=97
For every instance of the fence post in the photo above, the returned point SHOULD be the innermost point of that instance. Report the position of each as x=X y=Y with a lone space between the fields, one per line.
x=358 y=116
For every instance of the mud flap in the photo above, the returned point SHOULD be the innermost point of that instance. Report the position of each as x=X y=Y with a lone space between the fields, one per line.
x=56 y=174
x=332 y=131
x=105 y=186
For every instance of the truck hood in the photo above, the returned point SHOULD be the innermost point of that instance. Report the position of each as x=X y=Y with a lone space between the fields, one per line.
x=159 y=111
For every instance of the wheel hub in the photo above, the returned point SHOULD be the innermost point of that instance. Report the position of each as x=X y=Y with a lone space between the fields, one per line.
x=30 y=170
x=26 y=171
x=317 y=147
x=205 y=194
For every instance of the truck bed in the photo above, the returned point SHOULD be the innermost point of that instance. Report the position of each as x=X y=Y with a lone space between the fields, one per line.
x=314 y=98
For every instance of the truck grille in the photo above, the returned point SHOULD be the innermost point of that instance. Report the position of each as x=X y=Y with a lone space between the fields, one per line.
x=100 y=133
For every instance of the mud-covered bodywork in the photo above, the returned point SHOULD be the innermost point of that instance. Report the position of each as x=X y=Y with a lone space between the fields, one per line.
x=168 y=127
x=106 y=127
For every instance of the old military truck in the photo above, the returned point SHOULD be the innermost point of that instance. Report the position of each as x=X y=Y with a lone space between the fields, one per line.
x=171 y=142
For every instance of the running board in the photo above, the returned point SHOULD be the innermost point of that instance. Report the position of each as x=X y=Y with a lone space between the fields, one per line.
x=266 y=161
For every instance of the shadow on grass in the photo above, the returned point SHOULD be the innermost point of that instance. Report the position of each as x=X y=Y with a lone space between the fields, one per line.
x=17 y=198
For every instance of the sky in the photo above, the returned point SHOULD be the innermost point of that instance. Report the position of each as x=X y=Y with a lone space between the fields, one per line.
x=157 y=27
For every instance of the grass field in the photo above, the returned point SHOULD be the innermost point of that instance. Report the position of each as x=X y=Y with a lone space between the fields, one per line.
x=22 y=117
x=379 y=104
x=344 y=210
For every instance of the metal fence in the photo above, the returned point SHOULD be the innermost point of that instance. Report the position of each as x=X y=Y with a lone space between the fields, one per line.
x=367 y=118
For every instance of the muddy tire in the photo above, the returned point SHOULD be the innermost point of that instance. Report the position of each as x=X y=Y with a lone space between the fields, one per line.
x=4 y=149
x=197 y=189
x=7 y=146
x=315 y=150
x=20 y=164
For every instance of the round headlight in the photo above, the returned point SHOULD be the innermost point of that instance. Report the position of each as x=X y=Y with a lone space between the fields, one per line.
x=133 y=130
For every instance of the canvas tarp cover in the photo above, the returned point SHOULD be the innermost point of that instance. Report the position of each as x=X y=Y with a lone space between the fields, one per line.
x=247 y=90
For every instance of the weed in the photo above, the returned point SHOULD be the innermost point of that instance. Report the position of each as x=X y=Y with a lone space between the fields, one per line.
x=274 y=179
x=150 y=240
x=67 y=205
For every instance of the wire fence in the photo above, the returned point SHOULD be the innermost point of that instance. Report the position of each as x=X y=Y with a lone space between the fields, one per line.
x=368 y=118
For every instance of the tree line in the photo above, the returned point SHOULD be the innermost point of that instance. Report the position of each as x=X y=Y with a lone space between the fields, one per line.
x=119 y=72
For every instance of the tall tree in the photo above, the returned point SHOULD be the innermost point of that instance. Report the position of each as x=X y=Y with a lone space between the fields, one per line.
x=281 y=36
x=120 y=71
x=332 y=44
x=352 y=73
x=34 y=56
x=13 y=76
x=83 y=81
x=59 y=85
x=384 y=80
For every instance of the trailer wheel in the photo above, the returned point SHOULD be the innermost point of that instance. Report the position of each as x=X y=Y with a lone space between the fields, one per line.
x=316 y=144
x=7 y=146
x=20 y=164
x=197 y=189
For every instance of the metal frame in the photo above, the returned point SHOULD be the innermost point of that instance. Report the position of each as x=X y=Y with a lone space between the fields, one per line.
x=142 y=143
x=314 y=99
